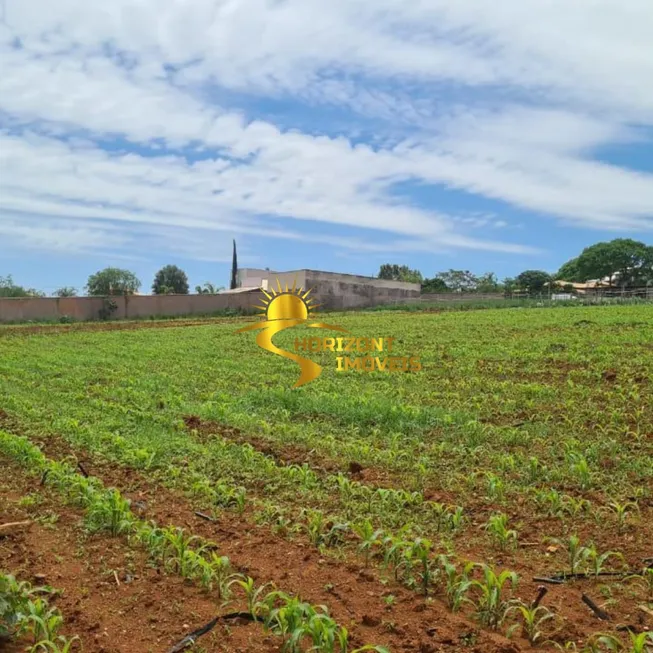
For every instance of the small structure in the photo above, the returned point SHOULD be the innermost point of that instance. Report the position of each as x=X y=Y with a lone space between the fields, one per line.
x=333 y=290
x=593 y=285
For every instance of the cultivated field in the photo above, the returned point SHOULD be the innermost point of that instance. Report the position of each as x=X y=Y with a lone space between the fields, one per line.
x=171 y=476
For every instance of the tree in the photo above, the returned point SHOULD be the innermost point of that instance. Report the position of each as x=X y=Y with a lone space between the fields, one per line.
x=170 y=280
x=488 y=282
x=394 y=272
x=234 y=269
x=569 y=271
x=9 y=289
x=66 y=291
x=208 y=289
x=434 y=285
x=112 y=281
x=623 y=260
x=509 y=284
x=533 y=280
x=458 y=280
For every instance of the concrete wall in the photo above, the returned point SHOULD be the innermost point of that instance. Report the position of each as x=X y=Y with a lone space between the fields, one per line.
x=343 y=291
x=135 y=306
x=252 y=277
x=332 y=291
x=255 y=278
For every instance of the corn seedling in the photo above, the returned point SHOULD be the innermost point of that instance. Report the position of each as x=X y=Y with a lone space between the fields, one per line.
x=495 y=487
x=497 y=527
x=622 y=510
x=577 y=554
x=491 y=607
x=221 y=569
x=581 y=470
x=596 y=561
x=314 y=526
x=109 y=511
x=288 y=618
x=457 y=583
x=252 y=594
x=532 y=621
x=370 y=538
x=418 y=554
x=393 y=554
x=178 y=553
x=335 y=535
x=15 y=597
x=645 y=581
x=60 y=645
x=42 y=620
x=639 y=643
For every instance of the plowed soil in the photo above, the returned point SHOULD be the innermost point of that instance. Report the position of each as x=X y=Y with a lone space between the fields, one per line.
x=113 y=598
x=356 y=596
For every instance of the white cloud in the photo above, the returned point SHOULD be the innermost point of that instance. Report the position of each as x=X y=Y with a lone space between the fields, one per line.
x=508 y=102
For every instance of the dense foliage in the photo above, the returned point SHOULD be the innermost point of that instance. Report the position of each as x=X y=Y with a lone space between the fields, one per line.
x=208 y=289
x=9 y=289
x=66 y=291
x=394 y=272
x=624 y=262
x=170 y=280
x=112 y=281
x=621 y=262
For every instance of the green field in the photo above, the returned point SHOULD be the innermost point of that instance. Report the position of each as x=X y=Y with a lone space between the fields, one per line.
x=524 y=426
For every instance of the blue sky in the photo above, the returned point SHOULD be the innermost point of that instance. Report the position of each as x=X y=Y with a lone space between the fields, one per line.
x=337 y=137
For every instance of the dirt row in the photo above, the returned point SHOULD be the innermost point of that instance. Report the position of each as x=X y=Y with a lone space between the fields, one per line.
x=354 y=595
x=536 y=555
x=112 y=598
x=296 y=454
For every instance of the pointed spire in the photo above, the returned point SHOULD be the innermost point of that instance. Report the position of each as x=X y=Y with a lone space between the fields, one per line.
x=234 y=269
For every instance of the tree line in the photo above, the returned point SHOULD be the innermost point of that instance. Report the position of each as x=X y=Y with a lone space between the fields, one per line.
x=169 y=280
x=619 y=263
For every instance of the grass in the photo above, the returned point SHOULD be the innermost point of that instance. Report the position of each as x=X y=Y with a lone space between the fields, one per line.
x=539 y=414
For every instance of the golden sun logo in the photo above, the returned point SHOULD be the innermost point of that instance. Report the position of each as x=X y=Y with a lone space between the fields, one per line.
x=284 y=309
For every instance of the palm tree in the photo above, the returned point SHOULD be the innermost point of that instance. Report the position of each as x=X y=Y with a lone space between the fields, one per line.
x=208 y=289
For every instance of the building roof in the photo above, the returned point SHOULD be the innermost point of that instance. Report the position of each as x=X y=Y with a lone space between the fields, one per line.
x=240 y=290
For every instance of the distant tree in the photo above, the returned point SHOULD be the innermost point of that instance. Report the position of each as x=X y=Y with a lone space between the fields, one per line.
x=458 y=280
x=624 y=261
x=533 y=280
x=434 y=285
x=488 y=283
x=394 y=272
x=568 y=271
x=66 y=291
x=234 y=269
x=112 y=281
x=170 y=280
x=9 y=289
x=208 y=289
x=509 y=284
